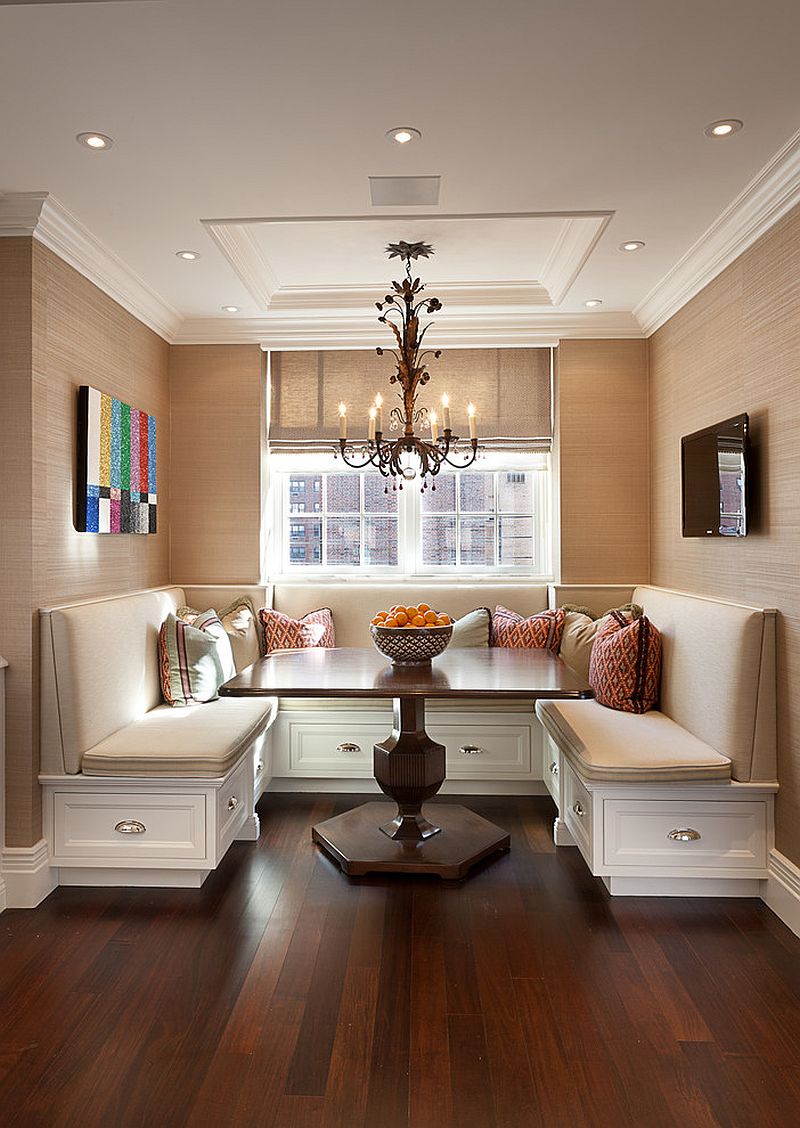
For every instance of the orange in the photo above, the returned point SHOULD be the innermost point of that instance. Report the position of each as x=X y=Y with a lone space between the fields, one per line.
x=402 y=618
x=418 y=621
x=390 y=622
x=412 y=612
x=445 y=619
x=423 y=607
x=429 y=616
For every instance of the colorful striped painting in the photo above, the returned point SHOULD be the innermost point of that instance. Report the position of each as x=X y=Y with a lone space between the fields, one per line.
x=116 y=466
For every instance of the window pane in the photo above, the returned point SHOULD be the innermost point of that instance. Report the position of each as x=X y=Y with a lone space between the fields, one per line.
x=477 y=493
x=515 y=492
x=438 y=540
x=380 y=540
x=516 y=540
x=305 y=541
x=376 y=497
x=343 y=540
x=440 y=496
x=477 y=540
x=343 y=493
x=305 y=493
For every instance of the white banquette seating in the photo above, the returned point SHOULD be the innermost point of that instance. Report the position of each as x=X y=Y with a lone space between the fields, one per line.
x=679 y=800
x=115 y=759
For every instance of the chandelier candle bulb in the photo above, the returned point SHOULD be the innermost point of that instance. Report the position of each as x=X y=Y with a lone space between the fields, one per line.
x=379 y=411
x=473 y=423
x=446 y=412
x=373 y=411
x=434 y=418
x=342 y=420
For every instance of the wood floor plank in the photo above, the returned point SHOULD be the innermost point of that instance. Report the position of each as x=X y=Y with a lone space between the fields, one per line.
x=470 y=1082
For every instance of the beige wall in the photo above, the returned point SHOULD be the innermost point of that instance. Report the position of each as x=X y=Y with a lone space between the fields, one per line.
x=217 y=445
x=73 y=334
x=603 y=461
x=736 y=347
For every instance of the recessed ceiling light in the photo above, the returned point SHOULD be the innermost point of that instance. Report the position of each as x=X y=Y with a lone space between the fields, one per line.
x=723 y=128
x=592 y=303
x=188 y=256
x=230 y=309
x=96 y=141
x=402 y=134
x=632 y=245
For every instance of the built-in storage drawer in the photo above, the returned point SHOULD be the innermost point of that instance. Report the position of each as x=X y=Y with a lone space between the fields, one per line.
x=577 y=810
x=89 y=825
x=552 y=767
x=685 y=834
x=232 y=804
x=315 y=748
x=496 y=751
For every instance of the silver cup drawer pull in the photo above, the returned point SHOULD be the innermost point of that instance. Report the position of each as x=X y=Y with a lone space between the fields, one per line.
x=130 y=826
x=578 y=809
x=472 y=750
x=554 y=768
x=233 y=803
x=259 y=767
x=348 y=748
x=684 y=834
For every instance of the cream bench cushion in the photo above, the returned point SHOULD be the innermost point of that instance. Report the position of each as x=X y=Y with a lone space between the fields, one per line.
x=605 y=744
x=203 y=741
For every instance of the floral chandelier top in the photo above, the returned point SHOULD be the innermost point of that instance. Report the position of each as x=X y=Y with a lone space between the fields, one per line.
x=408 y=454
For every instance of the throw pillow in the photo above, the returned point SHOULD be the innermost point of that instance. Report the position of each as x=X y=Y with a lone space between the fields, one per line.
x=472 y=629
x=537 y=632
x=625 y=666
x=239 y=621
x=579 y=633
x=194 y=659
x=284 y=633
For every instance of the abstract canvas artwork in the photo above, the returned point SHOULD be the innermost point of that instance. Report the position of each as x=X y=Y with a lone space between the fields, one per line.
x=116 y=466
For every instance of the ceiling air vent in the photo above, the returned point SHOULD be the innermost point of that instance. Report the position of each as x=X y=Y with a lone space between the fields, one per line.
x=404 y=191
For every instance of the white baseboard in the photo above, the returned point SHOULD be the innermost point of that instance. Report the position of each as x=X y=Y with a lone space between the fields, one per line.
x=370 y=787
x=683 y=886
x=251 y=829
x=138 y=878
x=781 y=890
x=3 y=902
x=28 y=875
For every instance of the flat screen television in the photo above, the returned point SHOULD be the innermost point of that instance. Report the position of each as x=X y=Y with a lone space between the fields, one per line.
x=714 y=470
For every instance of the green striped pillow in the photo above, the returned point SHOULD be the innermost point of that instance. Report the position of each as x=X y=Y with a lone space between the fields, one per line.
x=194 y=659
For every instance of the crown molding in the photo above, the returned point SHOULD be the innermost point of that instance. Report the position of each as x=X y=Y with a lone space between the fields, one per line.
x=40 y=215
x=767 y=198
x=238 y=245
x=463 y=295
x=458 y=330
x=576 y=241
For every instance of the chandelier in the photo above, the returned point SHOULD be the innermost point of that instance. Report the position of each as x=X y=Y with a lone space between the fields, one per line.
x=408 y=454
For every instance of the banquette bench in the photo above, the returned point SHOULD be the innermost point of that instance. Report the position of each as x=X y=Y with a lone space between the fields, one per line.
x=115 y=759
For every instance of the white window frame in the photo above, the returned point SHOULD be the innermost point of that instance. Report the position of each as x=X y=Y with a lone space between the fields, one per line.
x=409 y=552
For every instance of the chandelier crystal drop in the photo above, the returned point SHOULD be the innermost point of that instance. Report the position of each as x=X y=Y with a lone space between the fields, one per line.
x=408 y=454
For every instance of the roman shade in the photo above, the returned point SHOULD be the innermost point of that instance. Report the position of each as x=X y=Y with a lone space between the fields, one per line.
x=511 y=389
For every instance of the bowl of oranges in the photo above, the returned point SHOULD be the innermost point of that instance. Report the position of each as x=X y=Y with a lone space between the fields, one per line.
x=411 y=636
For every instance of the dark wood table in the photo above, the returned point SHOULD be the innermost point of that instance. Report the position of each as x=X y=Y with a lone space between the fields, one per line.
x=409 y=766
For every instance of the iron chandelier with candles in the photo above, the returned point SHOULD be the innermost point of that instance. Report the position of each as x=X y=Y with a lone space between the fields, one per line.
x=394 y=457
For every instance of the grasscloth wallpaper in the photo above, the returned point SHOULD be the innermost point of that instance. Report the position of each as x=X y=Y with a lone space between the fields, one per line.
x=736 y=347
x=66 y=333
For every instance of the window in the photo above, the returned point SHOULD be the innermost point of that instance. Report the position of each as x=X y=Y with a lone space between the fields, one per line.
x=494 y=519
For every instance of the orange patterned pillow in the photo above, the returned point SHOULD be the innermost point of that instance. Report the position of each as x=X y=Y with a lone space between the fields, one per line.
x=538 y=632
x=625 y=666
x=284 y=633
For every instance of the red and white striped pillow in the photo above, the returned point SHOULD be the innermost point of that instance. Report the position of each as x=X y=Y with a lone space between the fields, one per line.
x=536 y=632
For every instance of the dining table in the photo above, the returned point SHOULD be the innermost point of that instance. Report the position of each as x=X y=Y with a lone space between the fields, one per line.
x=445 y=839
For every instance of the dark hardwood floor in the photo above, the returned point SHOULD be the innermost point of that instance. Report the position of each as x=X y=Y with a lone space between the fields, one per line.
x=282 y=994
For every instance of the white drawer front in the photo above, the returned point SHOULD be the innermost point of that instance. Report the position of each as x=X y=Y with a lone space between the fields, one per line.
x=332 y=749
x=496 y=751
x=109 y=825
x=722 y=835
x=577 y=811
x=552 y=767
x=232 y=801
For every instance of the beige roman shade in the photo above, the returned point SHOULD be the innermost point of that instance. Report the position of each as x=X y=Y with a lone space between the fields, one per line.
x=511 y=389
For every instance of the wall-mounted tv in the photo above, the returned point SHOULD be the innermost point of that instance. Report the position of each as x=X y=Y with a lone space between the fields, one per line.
x=714 y=470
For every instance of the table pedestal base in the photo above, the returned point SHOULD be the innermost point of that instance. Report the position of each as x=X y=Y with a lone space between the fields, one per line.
x=355 y=841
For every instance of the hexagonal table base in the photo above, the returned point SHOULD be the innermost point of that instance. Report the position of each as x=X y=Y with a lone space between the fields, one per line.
x=357 y=843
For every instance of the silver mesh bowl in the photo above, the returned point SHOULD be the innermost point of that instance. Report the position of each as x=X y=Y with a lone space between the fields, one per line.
x=411 y=646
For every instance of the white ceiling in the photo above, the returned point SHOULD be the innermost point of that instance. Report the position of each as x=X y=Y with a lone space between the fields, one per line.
x=248 y=110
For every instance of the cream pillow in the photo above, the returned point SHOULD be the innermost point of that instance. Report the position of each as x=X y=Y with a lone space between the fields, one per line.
x=577 y=640
x=241 y=626
x=472 y=629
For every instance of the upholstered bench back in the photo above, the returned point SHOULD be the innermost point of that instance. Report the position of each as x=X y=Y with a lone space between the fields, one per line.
x=99 y=671
x=718 y=675
x=353 y=605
